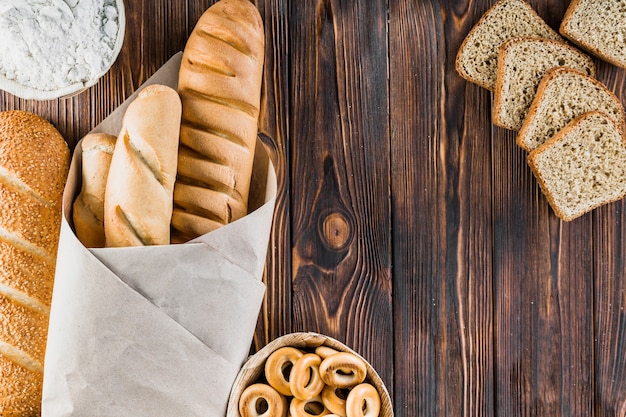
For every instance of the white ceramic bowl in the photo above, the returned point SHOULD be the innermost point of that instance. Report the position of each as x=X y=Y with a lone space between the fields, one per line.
x=31 y=93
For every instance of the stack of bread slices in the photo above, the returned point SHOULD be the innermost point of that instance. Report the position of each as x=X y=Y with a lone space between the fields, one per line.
x=545 y=88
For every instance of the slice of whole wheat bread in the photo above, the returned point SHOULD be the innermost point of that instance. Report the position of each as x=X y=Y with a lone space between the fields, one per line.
x=564 y=94
x=522 y=63
x=583 y=166
x=477 y=57
x=599 y=27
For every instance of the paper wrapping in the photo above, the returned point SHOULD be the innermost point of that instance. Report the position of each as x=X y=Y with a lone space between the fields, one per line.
x=158 y=330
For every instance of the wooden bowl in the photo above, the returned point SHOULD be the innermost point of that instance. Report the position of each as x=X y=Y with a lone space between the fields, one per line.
x=28 y=92
x=252 y=370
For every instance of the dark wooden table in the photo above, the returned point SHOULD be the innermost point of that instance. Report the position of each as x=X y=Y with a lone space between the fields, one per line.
x=407 y=225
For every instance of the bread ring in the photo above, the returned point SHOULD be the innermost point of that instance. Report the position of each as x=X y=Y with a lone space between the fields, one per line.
x=343 y=370
x=363 y=401
x=304 y=379
x=313 y=407
x=278 y=367
x=261 y=400
x=334 y=399
x=325 y=351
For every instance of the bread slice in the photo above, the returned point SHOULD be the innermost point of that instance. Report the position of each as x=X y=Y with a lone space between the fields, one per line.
x=564 y=94
x=522 y=63
x=477 y=58
x=583 y=166
x=599 y=27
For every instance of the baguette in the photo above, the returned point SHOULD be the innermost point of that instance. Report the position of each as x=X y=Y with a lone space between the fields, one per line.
x=88 y=209
x=220 y=88
x=138 y=197
x=34 y=162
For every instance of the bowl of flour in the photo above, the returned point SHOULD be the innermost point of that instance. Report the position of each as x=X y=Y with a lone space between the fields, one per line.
x=57 y=48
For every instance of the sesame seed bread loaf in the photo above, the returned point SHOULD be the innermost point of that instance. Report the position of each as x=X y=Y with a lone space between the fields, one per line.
x=88 y=209
x=220 y=87
x=563 y=95
x=477 y=58
x=583 y=166
x=34 y=161
x=599 y=27
x=522 y=63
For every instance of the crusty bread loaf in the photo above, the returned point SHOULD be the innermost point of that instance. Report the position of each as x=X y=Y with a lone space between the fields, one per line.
x=139 y=191
x=220 y=87
x=599 y=27
x=477 y=58
x=564 y=94
x=34 y=161
x=88 y=209
x=583 y=166
x=522 y=63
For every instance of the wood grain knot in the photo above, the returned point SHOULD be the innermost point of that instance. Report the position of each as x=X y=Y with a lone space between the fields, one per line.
x=335 y=230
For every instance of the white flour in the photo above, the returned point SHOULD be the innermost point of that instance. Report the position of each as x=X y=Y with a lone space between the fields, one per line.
x=50 y=44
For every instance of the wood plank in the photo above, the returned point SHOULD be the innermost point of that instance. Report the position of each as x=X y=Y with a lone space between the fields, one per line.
x=275 y=318
x=610 y=319
x=441 y=188
x=339 y=145
x=609 y=286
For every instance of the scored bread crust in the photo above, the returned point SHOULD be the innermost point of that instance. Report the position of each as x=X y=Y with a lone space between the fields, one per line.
x=561 y=135
x=541 y=91
x=34 y=162
x=220 y=87
x=491 y=13
x=139 y=189
x=503 y=53
x=88 y=209
x=564 y=29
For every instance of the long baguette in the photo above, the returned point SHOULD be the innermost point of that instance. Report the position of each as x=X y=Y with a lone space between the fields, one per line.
x=34 y=161
x=88 y=209
x=138 y=197
x=220 y=88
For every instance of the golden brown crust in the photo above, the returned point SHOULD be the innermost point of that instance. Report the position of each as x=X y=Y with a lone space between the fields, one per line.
x=139 y=191
x=22 y=397
x=88 y=209
x=34 y=161
x=220 y=86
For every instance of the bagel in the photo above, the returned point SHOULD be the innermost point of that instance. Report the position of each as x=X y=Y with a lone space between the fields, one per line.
x=325 y=351
x=343 y=370
x=261 y=400
x=278 y=367
x=363 y=401
x=334 y=399
x=313 y=407
x=304 y=379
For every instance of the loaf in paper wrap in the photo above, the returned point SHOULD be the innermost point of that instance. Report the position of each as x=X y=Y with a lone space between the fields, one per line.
x=161 y=330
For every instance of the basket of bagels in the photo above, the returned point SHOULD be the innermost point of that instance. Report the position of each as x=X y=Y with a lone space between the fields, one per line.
x=308 y=374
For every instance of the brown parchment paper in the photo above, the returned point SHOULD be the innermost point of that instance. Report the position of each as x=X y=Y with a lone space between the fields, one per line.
x=155 y=331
